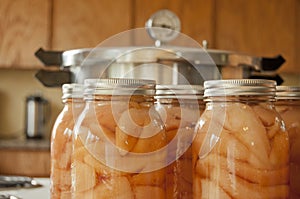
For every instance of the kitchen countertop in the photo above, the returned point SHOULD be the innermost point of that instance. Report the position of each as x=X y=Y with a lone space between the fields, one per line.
x=30 y=193
x=25 y=144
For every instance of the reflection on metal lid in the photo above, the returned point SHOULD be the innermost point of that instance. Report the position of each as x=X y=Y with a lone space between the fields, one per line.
x=179 y=91
x=72 y=91
x=118 y=86
x=238 y=87
x=288 y=92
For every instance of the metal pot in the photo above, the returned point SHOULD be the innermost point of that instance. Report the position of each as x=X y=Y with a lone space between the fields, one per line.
x=37 y=114
x=161 y=60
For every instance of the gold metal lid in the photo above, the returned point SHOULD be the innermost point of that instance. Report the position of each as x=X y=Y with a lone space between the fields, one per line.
x=186 y=91
x=119 y=86
x=287 y=92
x=239 y=87
x=72 y=91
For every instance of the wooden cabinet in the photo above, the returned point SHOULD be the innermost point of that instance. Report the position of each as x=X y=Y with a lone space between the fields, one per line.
x=297 y=35
x=26 y=162
x=86 y=23
x=263 y=28
x=24 y=27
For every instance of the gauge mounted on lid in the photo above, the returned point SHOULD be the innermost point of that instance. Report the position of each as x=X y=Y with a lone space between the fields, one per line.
x=163 y=26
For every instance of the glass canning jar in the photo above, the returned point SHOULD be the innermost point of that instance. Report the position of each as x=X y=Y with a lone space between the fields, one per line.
x=119 y=145
x=288 y=106
x=241 y=148
x=180 y=107
x=61 y=141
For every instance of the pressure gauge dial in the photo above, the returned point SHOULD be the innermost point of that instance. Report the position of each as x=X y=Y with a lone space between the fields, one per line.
x=163 y=26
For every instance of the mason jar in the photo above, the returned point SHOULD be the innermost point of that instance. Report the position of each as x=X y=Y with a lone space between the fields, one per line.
x=119 y=146
x=288 y=106
x=180 y=107
x=61 y=141
x=241 y=148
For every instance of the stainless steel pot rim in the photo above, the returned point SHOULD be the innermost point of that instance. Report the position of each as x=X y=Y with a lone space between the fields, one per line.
x=153 y=54
x=140 y=54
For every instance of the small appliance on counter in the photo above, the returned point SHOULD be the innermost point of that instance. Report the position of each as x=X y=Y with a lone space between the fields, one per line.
x=36 y=116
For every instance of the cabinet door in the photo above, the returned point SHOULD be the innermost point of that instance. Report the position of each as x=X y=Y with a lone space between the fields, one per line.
x=86 y=23
x=35 y=163
x=24 y=27
x=196 y=16
x=264 y=28
x=297 y=35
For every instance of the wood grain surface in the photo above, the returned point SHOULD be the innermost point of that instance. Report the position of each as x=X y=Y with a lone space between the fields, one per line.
x=263 y=28
x=25 y=162
x=86 y=23
x=296 y=67
x=24 y=27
